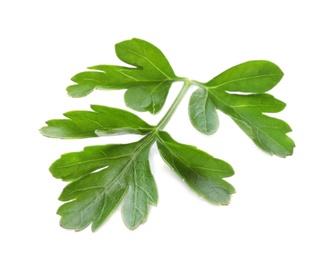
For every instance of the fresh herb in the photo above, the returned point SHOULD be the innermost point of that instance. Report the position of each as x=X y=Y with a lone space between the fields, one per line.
x=101 y=177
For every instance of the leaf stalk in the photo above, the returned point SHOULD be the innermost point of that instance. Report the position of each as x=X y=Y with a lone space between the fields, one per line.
x=173 y=107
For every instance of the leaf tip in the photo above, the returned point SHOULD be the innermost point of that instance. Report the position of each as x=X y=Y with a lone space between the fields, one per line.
x=49 y=131
x=79 y=90
x=42 y=131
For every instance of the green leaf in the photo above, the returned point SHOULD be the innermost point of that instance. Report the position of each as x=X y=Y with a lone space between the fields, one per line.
x=202 y=172
x=253 y=76
x=247 y=111
x=152 y=76
x=101 y=121
x=202 y=112
x=145 y=56
x=102 y=177
x=147 y=98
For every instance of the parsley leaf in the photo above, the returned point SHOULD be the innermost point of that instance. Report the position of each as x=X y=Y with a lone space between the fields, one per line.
x=101 y=177
x=147 y=84
x=205 y=179
x=247 y=110
x=101 y=121
x=105 y=176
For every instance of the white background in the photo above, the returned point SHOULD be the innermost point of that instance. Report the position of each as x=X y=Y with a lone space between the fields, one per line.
x=282 y=208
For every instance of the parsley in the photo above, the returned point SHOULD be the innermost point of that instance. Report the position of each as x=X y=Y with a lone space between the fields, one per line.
x=101 y=177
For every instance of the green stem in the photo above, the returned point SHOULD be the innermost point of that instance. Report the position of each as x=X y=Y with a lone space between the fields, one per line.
x=172 y=109
x=151 y=137
x=199 y=84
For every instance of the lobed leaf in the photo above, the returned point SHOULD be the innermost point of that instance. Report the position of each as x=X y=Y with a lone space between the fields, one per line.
x=148 y=83
x=101 y=177
x=269 y=134
x=202 y=172
x=101 y=121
